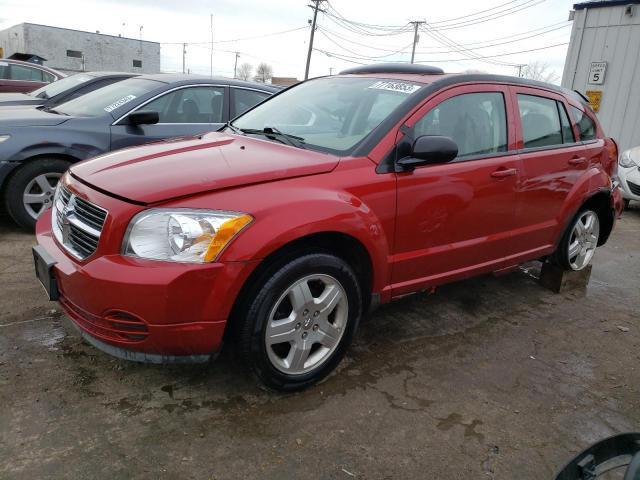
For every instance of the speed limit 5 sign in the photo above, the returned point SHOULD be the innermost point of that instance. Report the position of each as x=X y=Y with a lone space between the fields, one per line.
x=596 y=72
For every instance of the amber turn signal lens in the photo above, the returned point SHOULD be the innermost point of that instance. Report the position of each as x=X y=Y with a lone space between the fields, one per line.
x=225 y=234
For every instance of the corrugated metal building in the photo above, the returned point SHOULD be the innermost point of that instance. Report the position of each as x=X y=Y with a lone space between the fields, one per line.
x=74 y=50
x=603 y=61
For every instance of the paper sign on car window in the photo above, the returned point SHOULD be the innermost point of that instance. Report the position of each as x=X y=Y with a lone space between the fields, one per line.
x=119 y=103
x=401 y=87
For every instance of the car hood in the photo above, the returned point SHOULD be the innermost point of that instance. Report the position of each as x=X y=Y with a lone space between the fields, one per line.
x=29 y=117
x=175 y=168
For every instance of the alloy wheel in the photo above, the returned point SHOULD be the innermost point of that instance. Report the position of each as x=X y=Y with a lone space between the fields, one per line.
x=583 y=240
x=306 y=324
x=39 y=192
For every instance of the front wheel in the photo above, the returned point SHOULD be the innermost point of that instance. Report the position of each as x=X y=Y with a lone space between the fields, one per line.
x=30 y=190
x=301 y=322
x=579 y=242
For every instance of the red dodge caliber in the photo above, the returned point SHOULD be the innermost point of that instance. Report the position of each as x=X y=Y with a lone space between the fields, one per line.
x=280 y=231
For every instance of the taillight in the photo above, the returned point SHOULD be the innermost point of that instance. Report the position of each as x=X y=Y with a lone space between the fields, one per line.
x=612 y=151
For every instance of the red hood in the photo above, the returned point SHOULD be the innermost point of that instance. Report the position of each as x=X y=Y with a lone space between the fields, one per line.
x=165 y=170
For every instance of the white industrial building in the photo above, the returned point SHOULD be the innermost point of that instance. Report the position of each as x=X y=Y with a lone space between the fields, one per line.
x=603 y=62
x=75 y=51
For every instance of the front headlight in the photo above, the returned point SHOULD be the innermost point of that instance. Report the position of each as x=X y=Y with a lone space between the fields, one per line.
x=630 y=158
x=182 y=235
x=4 y=138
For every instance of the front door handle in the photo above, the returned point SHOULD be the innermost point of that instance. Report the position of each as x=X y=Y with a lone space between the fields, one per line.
x=577 y=161
x=504 y=172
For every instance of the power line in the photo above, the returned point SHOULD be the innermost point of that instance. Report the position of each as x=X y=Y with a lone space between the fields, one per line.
x=438 y=22
x=238 y=39
x=364 y=56
x=488 y=18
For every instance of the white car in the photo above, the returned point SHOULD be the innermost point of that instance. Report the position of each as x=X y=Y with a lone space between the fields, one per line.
x=629 y=173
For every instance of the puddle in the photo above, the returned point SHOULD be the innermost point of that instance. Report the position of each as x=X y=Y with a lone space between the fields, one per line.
x=48 y=334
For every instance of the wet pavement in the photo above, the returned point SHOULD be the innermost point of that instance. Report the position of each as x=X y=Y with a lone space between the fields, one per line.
x=492 y=378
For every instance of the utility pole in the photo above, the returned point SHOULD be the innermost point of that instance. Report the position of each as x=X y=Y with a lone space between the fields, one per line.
x=520 y=67
x=235 y=66
x=184 y=57
x=416 y=37
x=316 y=5
x=211 y=60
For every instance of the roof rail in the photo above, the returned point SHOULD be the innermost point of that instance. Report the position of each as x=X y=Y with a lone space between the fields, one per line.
x=395 y=68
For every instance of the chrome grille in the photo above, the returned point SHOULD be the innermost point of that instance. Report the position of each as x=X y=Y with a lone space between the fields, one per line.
x=77 y=224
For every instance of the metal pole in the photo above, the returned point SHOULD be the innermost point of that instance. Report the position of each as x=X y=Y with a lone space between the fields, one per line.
x=211 y=68
x=235 y=66
x=184 y=56
x=416 y=24
x=313 y=31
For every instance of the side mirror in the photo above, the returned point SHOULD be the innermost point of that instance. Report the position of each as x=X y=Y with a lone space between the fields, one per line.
x=143 y=117
x=428 y=149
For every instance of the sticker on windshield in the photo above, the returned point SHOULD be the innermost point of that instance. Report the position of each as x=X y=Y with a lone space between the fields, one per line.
x=119 y=103
x=401 y=87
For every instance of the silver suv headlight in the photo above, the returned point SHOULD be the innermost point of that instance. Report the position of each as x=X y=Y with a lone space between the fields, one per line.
x=630 y=158
x=182 y=235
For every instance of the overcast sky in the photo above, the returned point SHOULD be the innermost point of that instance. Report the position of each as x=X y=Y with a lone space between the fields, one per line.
x=465 y=22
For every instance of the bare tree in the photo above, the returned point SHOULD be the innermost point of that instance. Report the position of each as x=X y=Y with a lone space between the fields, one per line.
x=244 y=71
x=473 y=70
x=540 y=71
x=264 y=72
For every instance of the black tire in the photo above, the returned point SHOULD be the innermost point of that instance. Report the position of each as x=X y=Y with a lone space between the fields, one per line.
x=262 y=298
x=561 y=256
x=626 y=203
x=17 y=183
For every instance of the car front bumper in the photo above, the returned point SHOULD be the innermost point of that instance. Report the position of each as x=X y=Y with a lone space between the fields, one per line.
x=159 y=312
x=630 y=182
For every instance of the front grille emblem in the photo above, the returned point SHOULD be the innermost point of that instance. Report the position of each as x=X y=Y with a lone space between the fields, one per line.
x=66 y=225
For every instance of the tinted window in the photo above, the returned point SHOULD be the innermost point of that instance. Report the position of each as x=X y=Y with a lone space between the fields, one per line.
x=19 y=72
x=331 y=114
x=475 y=121
x=48 y=77
x=243 y=100
x=586 y=126
x=540 y=121
x=110 y=98
x=567 y=131
x=4 y=70
x=190 y=105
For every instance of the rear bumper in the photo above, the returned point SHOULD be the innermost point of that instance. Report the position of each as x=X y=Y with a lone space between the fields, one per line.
x=158 y=312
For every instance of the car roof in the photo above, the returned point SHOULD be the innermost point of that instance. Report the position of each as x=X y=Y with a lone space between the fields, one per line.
x=187 y=79
x=31 y=64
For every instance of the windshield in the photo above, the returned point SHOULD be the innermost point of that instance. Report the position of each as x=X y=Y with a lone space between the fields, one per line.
x=60 y=86
x=331 y=113
x=109 y=98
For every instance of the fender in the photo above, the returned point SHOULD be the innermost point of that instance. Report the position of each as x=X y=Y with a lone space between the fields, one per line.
x=319 y=211
x=75 y=151
x=590 y=183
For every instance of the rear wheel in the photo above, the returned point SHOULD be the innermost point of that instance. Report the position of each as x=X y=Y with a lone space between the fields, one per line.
x=30 y=190
x=579 y=242
x=300 y=323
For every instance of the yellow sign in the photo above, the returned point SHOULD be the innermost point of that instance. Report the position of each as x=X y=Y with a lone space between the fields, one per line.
x=1 y=52
x=594 y=96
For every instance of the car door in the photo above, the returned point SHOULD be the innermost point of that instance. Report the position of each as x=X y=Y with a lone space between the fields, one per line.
x=551 y=160
x=183 y=111
x=455 y=219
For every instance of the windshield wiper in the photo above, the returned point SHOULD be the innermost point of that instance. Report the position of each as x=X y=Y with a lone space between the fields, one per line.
x=233 y=128
x=273 y=132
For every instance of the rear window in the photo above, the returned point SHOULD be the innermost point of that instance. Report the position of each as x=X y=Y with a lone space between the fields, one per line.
x=586 y=126
x=19 y=72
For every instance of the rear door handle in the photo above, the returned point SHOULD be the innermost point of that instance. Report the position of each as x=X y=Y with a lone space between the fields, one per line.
x=577 y=161
x=505 y=172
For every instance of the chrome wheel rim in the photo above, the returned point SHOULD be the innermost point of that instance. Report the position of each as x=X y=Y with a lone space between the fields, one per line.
x=583 y=240
x=306 y=324
x=38 y=194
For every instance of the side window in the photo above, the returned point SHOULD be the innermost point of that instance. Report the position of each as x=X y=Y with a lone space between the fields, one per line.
x=47 y=77
x=475 y=121
x=190 y=105
x=567 y=131
x=243 y=100
x=540 y=121
x=18 y=72
x=4 y=70
x=586 y=126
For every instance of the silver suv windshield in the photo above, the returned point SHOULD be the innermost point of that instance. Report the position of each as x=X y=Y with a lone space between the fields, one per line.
x=59 y=86
x=107 y=99
x=332 y=114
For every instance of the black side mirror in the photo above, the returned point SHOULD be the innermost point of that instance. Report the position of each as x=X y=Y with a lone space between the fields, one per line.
x=428 y=149
x=143 y=117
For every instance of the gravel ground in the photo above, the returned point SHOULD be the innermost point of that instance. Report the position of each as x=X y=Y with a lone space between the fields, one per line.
x=493 y=377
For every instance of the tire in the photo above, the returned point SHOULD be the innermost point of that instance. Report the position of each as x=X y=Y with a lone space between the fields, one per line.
x=284 y=336
x=626 y=203
x=579 y=241
x=30 y=180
